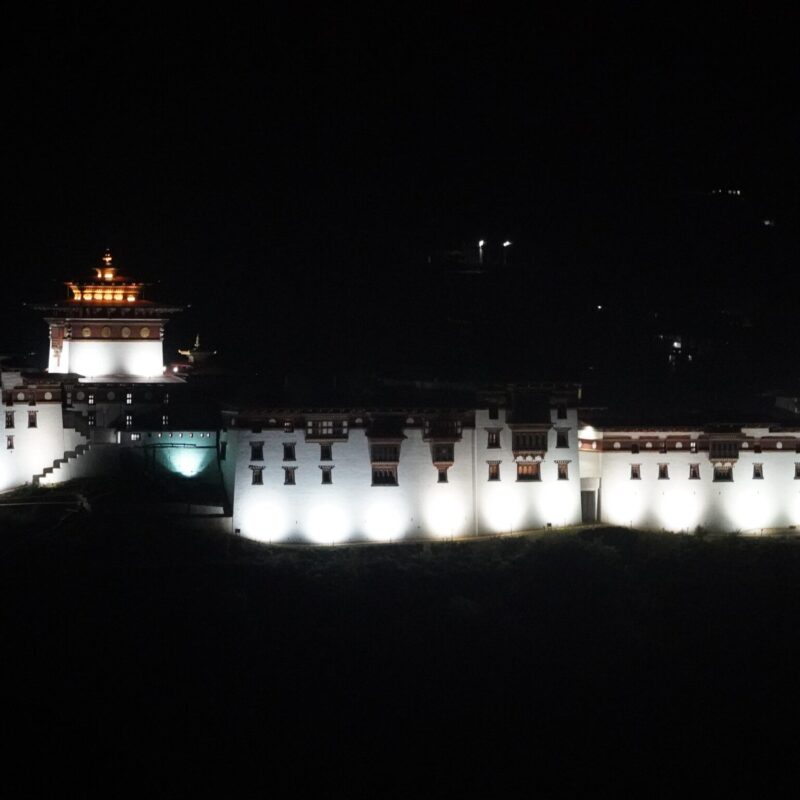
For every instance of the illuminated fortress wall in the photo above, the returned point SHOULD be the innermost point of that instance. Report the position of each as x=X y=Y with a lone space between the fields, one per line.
x=352 y=509
x=744 y=479
x=678 y=501
x=25 y=451
x=93 y=358
x=506 y=505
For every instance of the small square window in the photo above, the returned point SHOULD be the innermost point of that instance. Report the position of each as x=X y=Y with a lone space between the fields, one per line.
x=494 y=470
x=128 y=398
x=91 y=419
x=493 y=412
x=256 y=451
x=326 y=452
x=32 y=420
x=563 y=470
x=164 y=420
x=758 y=472
x=635 y=447
x=9 y=419
x=663 y=472
x=288 y=451
x=288 y=476
x=694 y=472
x=135 y=437
x=129 y=420
x=327 y=475
x=562 y=411
x=91 y=399
x=9 y=442
x=288 y=426
x=636 y=472
x=693 y=447
x=493 y=441
x=562 y=437
x=258 y=476
x=442 y=475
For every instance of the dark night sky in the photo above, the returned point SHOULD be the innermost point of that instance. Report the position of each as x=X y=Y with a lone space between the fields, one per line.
x=289 y=176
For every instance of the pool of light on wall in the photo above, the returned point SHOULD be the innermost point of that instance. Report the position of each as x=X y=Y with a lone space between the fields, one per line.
x=504 y=509
x=188 y=461
x=445 y=513
x=266 y=520
x=385 y=520
x=328 y=524
x=682 y=510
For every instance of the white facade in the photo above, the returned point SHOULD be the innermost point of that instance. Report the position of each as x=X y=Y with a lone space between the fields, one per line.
x=679 y=490
x=33 y=435
x=96 y=358
x=351 y=508
x=741 y=479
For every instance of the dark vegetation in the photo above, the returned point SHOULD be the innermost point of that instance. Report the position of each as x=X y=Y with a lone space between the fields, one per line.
x=572 y=661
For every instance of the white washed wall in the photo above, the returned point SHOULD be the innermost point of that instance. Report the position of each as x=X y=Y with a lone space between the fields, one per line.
x=34 y=448
x=681 y=504
x=507 y=505
x=352 y=509
x=95 y=358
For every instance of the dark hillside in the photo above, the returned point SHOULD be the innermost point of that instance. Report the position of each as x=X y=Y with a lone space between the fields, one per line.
x=569 y=661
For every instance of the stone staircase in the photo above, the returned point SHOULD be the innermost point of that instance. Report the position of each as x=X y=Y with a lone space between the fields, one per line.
x=76 y=422
x=79 y=450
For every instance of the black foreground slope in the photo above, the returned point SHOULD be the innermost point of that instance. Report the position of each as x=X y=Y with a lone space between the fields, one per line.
x=567 y=661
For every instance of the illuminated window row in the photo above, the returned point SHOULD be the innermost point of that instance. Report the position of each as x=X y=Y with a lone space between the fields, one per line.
x=257 y=475
x=723 y=473
x=529 y=472
x=257 y=452
x=33 y=420
x=91 y=397
x=385 y=475
x=716 y=450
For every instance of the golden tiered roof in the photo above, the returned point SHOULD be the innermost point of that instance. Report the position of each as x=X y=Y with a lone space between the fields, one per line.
x=107 y=287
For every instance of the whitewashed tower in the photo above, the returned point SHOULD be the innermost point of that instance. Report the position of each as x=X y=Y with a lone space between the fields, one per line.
x=106 y=330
